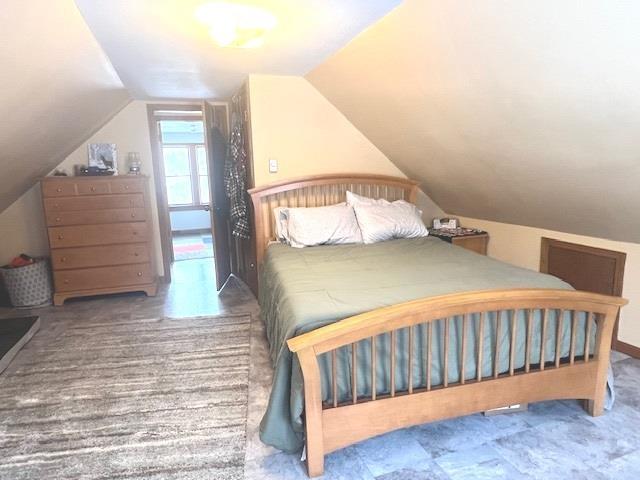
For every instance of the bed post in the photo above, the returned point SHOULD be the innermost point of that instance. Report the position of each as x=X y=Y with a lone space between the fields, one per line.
x=312 y=411
x=605 y=323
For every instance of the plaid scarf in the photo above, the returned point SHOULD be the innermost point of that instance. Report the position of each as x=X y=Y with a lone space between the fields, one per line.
x=235 y=177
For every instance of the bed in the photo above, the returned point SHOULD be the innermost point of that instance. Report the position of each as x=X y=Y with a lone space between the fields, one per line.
x=366 y=339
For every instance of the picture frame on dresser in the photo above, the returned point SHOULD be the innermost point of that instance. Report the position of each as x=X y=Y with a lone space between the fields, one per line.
x=99 y=235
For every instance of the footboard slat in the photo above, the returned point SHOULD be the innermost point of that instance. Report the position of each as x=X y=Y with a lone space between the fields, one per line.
x=428 y=361
x=393 y=363
x=587 y=338
x=398 y=401
x=480 y=346
x=496 y=354
x=410 y=361
x=334 y=376
x=559 y=325
x=543 y=337
x=374 y=387
x=527 y=350
x=354 y=372
x=445 y=359
x=512 y=345
x=574 y=329
x=463 y=349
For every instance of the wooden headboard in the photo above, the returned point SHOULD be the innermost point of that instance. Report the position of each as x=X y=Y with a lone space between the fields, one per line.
x=318 y=191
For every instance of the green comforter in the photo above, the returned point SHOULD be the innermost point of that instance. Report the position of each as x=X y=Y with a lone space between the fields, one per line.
x=304 y=289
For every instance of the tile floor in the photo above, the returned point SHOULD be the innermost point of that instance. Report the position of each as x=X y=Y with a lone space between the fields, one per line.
x=553 y=440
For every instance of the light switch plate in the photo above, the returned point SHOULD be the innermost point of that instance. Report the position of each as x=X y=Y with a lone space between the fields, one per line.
x=273 y=165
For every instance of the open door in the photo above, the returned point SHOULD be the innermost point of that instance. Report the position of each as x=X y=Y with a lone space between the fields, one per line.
x=216 y=146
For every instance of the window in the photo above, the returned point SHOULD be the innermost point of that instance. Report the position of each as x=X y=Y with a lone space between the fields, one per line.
x=185 y=162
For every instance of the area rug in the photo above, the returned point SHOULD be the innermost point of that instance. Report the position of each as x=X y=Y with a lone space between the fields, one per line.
x=14 y=334
x=144 y=399
x=187 y=247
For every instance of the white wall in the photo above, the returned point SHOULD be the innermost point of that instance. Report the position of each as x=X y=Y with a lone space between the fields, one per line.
x=520 y=246
x=21 y=225
x=292 y=122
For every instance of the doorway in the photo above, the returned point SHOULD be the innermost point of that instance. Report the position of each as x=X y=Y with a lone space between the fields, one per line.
x=186 y=174
x=185 y=150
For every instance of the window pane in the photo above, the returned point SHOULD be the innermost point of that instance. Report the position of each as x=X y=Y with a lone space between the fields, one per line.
x=182 y=131
x=204 y=189
x=201 y=159
x=179 y=190
x=176 y=161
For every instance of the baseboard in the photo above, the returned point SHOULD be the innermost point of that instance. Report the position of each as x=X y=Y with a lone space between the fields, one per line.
x=627 y=349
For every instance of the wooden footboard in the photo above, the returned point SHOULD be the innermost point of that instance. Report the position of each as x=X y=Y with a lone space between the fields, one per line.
x=578 y=375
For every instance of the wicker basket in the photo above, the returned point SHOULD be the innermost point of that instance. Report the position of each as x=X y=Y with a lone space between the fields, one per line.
x=30 y=285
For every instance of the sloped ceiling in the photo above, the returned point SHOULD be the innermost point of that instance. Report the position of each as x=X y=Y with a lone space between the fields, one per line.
x=161 y=51
x=519 y=112
x=56 y=88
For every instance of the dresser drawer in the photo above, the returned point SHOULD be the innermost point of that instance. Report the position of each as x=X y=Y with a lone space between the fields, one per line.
x=83 y=257
x=95 y=216
x=72 y=186
x=102 y=277
x=96 y=187
x=107 y=234
x=100 y=202
x=58 y=188
x=127 y=185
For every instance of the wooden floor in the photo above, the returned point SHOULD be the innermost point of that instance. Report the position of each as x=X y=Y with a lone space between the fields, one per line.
x=553 y=440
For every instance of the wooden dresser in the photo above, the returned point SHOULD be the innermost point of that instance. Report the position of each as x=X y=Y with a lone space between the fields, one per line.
x=99 y=235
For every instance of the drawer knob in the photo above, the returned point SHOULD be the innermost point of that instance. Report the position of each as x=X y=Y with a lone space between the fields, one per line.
x=58 y=189
x=133 y=215
x=57 y=219
x=66 y=281
x=126 y=187
x=139 y=274
x=55 y=205
x=93 y=189
x=135 y=233
x=63 y=259
x=136 y=254
x=60 y=237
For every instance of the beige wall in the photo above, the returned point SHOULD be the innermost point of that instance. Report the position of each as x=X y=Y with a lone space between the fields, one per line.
x=22 y=226
x=521 y=246
x=293 y=123
x=523 y=112
x=56 y=88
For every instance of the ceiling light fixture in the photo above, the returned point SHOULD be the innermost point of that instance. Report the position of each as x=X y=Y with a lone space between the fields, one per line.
x=236 y=25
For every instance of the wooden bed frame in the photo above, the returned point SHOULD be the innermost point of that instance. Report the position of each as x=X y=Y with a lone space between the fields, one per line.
x=330 y=426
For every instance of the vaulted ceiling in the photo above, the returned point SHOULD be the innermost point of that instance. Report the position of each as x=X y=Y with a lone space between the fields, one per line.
x=520 y=112
x=68 y=67
x=56 y=88
x=160 y=50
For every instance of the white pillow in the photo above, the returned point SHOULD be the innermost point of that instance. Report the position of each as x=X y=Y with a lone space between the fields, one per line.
x=281 y=217
x=355 y=199
x=331 y=225
x=380 y=222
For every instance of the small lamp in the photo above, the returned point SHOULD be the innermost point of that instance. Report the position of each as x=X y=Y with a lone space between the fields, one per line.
x=133 y=158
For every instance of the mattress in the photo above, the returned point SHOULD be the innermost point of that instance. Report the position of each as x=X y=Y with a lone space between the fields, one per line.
x=304 y=289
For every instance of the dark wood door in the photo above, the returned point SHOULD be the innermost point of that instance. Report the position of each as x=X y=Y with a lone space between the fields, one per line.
x=216 y=145
x=585 y=268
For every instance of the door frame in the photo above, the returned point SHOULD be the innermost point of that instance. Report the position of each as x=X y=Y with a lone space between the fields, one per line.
x=164 y=219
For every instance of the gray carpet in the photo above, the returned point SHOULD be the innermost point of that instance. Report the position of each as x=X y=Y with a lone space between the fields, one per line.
x=147 y=399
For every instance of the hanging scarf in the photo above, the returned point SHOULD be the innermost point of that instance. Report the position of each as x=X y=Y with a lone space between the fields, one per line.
x=235 y=175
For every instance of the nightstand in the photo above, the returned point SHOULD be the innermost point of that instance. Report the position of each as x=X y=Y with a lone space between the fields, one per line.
x=469 y=238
